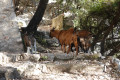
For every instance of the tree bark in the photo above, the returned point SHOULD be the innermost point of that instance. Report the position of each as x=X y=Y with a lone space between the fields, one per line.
x=113 y=23
x=96 y=37
x=115 y=50
x=34 y=22
x=27 y=33
x=102 y=47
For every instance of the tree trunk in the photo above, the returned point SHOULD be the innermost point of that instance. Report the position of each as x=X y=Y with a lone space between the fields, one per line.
x=95 y=40
x=34 y=22
x=115 y=50
x=113 y=23
x=28 y=32
x=102 y=47
x=110 y=28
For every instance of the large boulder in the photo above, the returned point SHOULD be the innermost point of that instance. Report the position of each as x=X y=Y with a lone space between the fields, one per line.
x=10 y=40
x=57 y=22
x=9 y=73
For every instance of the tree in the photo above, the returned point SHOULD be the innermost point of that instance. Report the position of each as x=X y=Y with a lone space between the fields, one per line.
x=31 y=29
x=100 y=17
x=109 y=12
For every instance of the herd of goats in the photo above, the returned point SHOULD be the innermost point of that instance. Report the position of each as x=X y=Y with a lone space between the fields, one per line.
x=72 y=37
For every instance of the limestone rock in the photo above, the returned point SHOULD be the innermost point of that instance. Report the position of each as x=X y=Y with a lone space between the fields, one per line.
x=29 y=57
x=9 y=32
x=7 y=73
x=3 y=58
x=57 y=22
x=47 y=56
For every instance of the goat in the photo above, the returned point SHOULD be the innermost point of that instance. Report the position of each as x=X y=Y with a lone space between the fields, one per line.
x=29 y=41
x=55 y=33
x=84 y=44
x=66 y=37
x=84 y=39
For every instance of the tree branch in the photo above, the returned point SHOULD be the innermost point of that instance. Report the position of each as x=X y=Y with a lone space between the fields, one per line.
x=113 y=23
x=34 y=22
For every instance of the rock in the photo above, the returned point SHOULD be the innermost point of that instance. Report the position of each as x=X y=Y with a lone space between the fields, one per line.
x=9 y=30
x=30 y=57
x=7 y=73
x=13 y=57
x=3 y=58
x=32 y=69
x=44 y=69
x=101 y=77
x=35 y=57
x=47 y=56
x=6 y=58
x=116 y=63
x=64 y=56
x=58 y=68
x=53 y=42
x=57 y=22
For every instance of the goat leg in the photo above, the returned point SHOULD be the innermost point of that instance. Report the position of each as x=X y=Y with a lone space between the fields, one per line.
x=72 y=45
x=62 y=47
x=76 y=49
x=65 y=48
x=35 y=47
x=69 y=48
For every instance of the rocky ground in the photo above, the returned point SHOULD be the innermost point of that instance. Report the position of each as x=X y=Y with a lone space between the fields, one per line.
x=50 y=63
x=58 y=65
x=53 y=64
x=9 y=31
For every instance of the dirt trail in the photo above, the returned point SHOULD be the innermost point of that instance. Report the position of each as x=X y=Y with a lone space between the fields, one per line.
x=59 y=65
x=56 y=65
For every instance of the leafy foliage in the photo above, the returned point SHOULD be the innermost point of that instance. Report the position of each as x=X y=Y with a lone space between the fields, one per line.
x=95 y=16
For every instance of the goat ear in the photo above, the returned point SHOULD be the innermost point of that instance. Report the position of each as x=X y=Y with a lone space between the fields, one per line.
x=75 y=29
x=53 y=29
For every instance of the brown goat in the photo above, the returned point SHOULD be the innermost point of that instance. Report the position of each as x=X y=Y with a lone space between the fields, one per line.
x=66 y=37
x=29 y=41
x=83 y=33
x=85 y=38
x=56 y=33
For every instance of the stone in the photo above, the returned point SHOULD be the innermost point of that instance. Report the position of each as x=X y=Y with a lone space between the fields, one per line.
x=57 y=22
x=47 y=56
x=116 y=63
x=101 y=77
x=7 y=73
x=64 y=56
x=3 y=58
x=35 y=57
x=9 y=30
